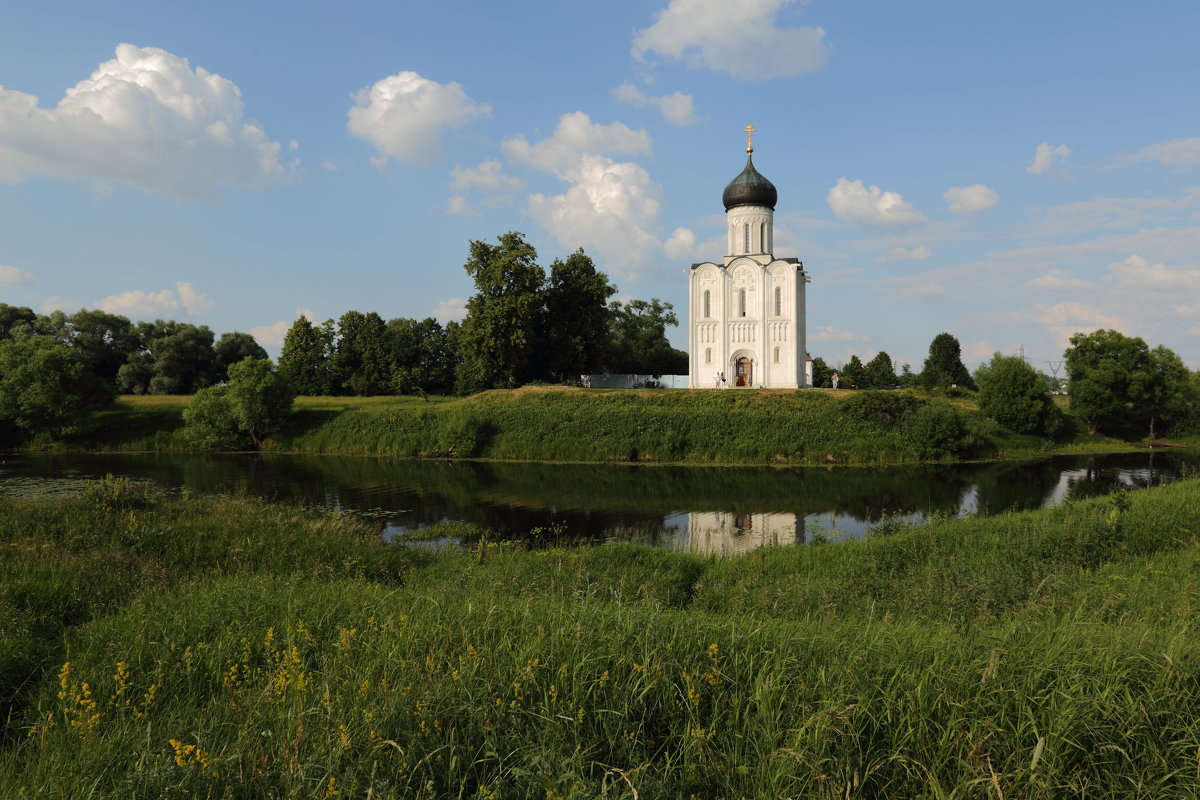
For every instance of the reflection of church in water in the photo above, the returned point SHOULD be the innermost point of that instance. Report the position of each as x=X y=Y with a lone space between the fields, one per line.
x=746 y=315
x=726 y=534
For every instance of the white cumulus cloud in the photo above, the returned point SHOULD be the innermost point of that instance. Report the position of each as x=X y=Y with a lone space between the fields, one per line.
x=677 y=109
x=145 y=118
x=741 y=38
x=1045 y=157
x=452 y=310
x=918 y=253
x=137 y=303
x=611 y=209
x=405 y=115
x=1062 y=320
x=1137 y=272
x=488 y=175
x=871 y=206
x=575 y=136
x=971 y=199
x=193 y=301
x=11 y=276
x=681 y=244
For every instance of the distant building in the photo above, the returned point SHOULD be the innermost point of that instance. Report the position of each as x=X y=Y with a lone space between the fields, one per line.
x=746 y=315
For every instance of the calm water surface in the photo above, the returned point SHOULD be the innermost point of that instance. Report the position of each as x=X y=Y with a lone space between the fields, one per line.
x=703 y=509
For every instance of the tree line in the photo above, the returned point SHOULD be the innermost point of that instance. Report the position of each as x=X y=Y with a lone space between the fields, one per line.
x=523 y=324
x=943 y=368
x=1117 y=384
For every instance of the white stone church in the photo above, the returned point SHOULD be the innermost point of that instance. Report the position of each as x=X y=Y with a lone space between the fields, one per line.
x=746 y=314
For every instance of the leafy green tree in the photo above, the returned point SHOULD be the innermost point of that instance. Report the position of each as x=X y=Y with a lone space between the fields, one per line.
x=184 y=360
x=304 y=360
x=362 y=357
x=172 y=358
x=1168 y=396
x=499 y=337
x=233 y=347
x=135 y=374
x=106 y=341
x=423 y=356
x=1108 y=371
x=1012 y=393
x=638 y=339
x=576 y=330
x=821 y=372
x=938 y=431
x=255 y=401
x=852 y=375
x=879 y=373
x=46 y=387
x=944 y=366
x=13 y=316
x=907 y=379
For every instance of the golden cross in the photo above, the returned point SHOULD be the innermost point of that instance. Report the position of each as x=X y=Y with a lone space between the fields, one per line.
x=749 y=129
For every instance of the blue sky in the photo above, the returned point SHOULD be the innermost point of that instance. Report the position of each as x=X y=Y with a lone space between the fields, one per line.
x=1008 y=172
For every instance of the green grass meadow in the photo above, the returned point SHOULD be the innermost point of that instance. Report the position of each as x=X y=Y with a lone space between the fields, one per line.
x=564 y=424
x=159 y=646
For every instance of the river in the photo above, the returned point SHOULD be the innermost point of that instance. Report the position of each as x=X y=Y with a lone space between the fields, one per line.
x=702 y=509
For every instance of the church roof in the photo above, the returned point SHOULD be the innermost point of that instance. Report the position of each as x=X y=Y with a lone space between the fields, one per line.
x=750 y=189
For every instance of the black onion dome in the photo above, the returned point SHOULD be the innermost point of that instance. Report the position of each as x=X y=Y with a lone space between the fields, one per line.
x=750 y=189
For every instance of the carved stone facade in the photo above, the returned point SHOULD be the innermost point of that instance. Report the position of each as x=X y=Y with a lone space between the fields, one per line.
x=746 y=314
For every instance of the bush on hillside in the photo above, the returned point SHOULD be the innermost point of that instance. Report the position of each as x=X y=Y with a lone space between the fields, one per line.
x=938 y=431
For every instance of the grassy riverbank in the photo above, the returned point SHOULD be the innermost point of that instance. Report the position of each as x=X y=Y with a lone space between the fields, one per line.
x=556 y=424
x=158 y=646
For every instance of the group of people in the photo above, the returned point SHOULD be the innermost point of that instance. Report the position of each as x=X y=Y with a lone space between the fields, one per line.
x=721 y=383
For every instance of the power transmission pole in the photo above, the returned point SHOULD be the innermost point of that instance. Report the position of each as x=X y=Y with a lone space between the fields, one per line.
x=1054 y=371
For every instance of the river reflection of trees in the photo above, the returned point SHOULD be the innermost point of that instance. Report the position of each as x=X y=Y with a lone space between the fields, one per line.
x=644 y=502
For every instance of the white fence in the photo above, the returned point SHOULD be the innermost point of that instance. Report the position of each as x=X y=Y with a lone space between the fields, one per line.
x=640 y=381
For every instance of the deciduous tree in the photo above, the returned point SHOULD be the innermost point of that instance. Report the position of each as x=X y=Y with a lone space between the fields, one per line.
x=1012 y=393
x=362 y=357
x=1107 y=371
x=233 y=347
x=46 y=387
x=944 y=366
x=879 y=373
x=576 y=329
x=851 y=376
x=821 y=373
x=255 y=401
x=304 y=360
x=498 y=339
x=639 y=344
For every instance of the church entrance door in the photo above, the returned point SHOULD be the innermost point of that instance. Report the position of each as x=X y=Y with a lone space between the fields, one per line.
x=743 y=372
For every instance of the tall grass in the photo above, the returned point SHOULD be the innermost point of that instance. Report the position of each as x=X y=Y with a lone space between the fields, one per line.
x=562 y=424
x=159 y=646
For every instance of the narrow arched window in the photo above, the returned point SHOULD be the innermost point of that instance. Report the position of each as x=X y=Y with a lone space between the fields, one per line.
x=778 y=302
x=746 y=238
x=762 y=238
x=741 y=302
x=707 y=303
x=776 y=355
x=708 y=355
